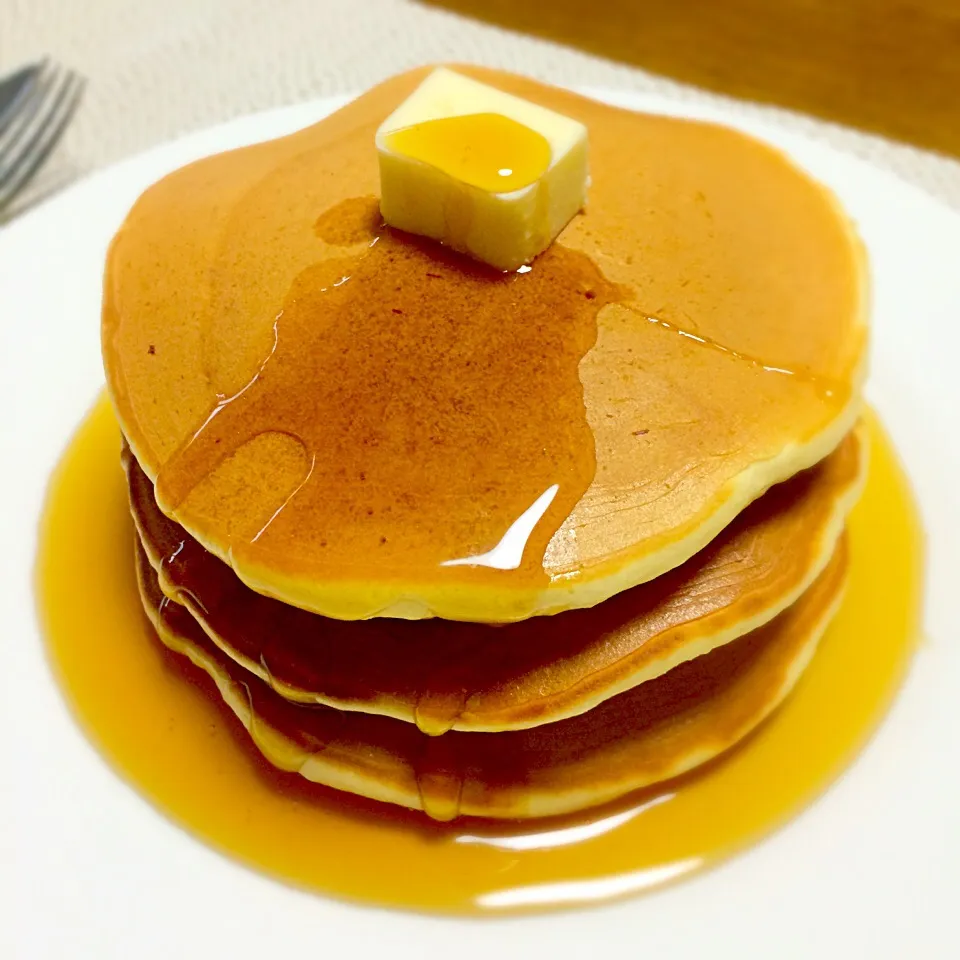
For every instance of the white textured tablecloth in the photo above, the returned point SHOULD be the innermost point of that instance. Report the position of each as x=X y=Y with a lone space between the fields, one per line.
x=159 y=68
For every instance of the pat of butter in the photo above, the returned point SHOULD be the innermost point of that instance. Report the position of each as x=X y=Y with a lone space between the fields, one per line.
x=484 y=172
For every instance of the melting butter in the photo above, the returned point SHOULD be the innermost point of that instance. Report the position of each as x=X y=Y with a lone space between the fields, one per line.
x=484 y=172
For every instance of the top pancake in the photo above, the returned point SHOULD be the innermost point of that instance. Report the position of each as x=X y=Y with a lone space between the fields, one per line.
x=363 y=424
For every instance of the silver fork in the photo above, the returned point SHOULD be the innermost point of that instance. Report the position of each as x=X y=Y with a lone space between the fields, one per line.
x=34 y=124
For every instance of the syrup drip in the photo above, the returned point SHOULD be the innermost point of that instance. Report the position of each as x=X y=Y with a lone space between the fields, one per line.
x=162 y=725
x=437 y=712
x=440 y=780
x=449 y=677
x=410 y=461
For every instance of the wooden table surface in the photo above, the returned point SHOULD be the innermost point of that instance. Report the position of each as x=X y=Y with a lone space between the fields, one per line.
x=888 y=66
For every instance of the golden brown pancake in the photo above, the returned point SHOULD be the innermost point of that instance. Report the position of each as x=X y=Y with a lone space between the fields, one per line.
x=445 y=675
x=654 y=732
x=362 y=423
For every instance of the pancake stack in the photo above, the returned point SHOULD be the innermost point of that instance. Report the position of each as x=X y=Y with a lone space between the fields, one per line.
x=503 y=545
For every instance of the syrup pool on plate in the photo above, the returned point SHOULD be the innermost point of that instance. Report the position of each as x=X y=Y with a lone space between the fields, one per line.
x=162 y=727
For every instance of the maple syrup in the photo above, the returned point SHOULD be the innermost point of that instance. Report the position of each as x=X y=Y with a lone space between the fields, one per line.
x=408 y=459
x=162 y=726
x=486 y=150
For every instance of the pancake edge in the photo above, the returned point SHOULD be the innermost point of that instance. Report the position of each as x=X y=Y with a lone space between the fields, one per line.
x=567 y=703
x=285 y=754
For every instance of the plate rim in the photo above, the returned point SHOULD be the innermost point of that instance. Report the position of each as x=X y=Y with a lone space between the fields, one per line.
x=577 y=928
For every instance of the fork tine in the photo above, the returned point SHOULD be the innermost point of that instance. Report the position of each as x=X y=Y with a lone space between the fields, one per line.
x=31 y=105
x=47 y=132
x=49 y=86
x=16 y=90
x=48 y=119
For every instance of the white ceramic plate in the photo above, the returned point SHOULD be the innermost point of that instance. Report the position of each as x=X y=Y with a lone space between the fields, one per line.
x=90 y=870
